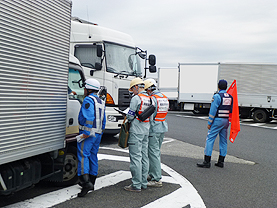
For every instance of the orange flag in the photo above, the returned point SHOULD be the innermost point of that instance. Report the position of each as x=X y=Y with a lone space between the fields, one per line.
x=234 y=116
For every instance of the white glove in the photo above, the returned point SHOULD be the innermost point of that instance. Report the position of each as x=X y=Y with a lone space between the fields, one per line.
x=80 y=138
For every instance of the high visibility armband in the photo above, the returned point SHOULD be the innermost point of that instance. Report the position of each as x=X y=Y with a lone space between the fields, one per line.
x=131 y=112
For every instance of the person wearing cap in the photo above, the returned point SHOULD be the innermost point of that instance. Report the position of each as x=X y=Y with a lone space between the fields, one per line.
x=92 y=121
x=218 y=123
x=158 y=126
x=138 y=136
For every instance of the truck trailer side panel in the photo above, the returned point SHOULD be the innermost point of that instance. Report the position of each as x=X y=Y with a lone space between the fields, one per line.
x=34 y=50
x=256 y=83
x=197 y=84
x=168 y=82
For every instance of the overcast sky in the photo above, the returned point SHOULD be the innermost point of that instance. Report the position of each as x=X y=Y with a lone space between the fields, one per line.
x=189 y=31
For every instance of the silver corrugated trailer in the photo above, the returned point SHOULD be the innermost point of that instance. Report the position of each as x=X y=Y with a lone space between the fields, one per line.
x=256 y=85
x=34 y=53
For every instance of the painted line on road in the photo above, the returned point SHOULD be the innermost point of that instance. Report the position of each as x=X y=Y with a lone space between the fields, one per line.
x=68 y=193
x=186 y=195
x=261 y=125
x=183 y=149
x=165 y=141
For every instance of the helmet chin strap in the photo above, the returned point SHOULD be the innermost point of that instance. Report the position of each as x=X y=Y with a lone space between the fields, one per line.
x=134 y=87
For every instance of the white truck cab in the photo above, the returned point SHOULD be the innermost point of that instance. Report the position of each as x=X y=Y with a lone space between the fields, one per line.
x=113 y=59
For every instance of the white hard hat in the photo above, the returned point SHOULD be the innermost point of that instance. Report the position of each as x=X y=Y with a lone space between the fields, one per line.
x=92 y=84
x=149 y=82
x=136 y=81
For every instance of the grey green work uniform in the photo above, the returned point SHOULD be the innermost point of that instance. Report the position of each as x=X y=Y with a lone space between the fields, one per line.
x=138 y=144
x=156 y=136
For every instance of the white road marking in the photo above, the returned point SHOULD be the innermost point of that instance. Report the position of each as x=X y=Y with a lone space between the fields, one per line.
x=68 y=193
x=186 y=195
x=183 y=149
x=261 y=125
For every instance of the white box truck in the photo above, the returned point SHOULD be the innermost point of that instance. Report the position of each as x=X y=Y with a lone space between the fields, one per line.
x=112 y=58
x=256 y=86
x=39 y=119
x=197 y=85
x=190 y=86
x=168 y=84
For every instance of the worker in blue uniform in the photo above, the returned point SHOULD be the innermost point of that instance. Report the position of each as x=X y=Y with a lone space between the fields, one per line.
x=92 y=121
x=138 y=136
x=158 y=126
x=218 y=123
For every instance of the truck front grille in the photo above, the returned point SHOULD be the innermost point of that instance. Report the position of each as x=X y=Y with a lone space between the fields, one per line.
x=123 y=98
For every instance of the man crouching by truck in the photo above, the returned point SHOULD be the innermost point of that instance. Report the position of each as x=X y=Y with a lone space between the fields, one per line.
x=92 y=121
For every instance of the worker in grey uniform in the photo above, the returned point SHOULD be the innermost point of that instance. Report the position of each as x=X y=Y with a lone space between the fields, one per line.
x=138 y=136
x=158 y=126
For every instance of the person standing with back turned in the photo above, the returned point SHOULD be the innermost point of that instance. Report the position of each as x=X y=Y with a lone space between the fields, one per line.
x=218 y=123
x=92 y=121
x=138 y=137
x=158 y=126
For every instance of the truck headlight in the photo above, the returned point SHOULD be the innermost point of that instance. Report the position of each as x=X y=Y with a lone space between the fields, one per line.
x=111 y=119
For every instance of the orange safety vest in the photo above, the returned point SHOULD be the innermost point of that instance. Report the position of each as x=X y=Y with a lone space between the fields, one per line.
x=163 y=106
x=145 y=102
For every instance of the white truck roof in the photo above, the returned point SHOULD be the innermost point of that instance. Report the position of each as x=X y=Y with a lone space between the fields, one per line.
x=86 y=32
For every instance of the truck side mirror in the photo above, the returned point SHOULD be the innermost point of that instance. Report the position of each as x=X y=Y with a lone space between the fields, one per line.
x=102 y=93
x=98 y=66
x=152 y=69
x=152 y=60
x=99 y=51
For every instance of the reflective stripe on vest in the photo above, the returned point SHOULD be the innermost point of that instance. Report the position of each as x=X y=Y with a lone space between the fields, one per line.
x=145 y=102
x=225 y=106
x=99 y=107
x=162 y=107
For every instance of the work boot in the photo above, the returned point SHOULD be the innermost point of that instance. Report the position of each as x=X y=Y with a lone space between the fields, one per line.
x=131 y=188
x=155 y=183
x=92 y=179
x=220 y=162
x=86 y=185
x=206 y=163
x=80 y=183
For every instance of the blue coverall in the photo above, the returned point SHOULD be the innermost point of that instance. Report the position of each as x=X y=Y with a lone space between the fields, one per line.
x=219 y=125
x=156 y=136
x=88 y=148
x=138 y=145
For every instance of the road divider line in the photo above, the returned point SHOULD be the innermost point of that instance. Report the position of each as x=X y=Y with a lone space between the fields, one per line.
x=186 y=195
x=68 y=193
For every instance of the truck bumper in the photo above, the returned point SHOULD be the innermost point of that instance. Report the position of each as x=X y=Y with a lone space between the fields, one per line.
x=113 y=121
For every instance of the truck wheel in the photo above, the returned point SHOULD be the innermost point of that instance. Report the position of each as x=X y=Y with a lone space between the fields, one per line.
x=260 y=116
x=70 y=176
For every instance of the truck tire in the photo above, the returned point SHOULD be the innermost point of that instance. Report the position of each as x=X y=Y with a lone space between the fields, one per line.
x=70 y=176
x=260 y=116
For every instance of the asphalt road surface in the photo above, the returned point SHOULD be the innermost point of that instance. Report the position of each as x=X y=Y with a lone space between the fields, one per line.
x=247 y=180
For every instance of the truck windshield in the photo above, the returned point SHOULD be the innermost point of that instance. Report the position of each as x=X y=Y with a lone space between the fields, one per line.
x=122 y=59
